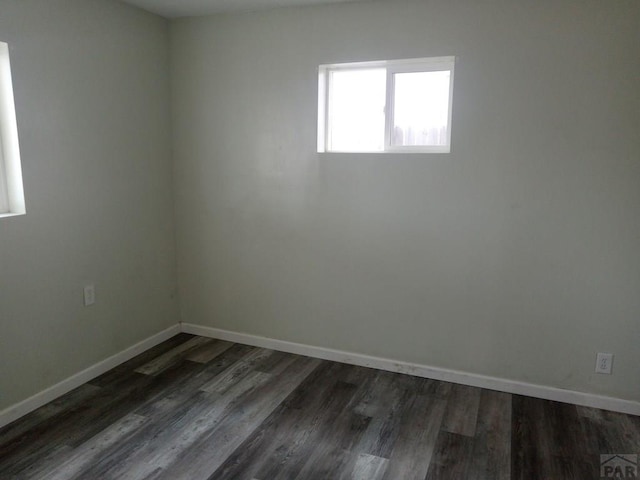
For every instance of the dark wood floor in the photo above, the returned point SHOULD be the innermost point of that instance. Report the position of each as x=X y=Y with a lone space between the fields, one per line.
x=194 y=408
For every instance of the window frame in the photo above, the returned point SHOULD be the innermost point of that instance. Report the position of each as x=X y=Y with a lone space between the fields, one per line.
x=11 y=188
x=392 y=67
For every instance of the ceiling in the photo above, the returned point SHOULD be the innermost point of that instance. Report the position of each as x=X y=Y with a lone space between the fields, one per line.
x=192 y=8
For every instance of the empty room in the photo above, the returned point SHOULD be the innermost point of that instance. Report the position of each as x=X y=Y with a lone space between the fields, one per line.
x=319 y=239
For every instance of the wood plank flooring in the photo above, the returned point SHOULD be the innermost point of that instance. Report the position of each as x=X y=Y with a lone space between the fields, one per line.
x=200 y=409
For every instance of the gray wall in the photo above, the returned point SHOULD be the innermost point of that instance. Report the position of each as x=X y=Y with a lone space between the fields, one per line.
x=517 y=255
x=91 y=80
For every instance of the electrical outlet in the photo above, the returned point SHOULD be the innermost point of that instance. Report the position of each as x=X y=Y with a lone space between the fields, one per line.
x=89 y=295
x=604 y=362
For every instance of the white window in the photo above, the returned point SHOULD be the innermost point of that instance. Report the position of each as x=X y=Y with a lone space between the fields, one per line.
x=11 y=191
x=386 y=106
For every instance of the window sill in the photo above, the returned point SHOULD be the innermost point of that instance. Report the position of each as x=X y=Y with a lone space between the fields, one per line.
x=11 y=214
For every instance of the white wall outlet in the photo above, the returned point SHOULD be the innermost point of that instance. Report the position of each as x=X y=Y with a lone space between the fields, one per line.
x=89 y=295
x=604 y=362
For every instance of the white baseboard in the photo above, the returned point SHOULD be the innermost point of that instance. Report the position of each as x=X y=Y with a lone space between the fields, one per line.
x=500 y=384
x=454 y=376
x=39 y=399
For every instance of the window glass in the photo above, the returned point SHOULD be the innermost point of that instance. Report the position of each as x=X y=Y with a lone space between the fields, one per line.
x=356 y=110
x=420 y=108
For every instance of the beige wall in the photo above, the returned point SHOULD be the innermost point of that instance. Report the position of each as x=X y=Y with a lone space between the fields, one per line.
x=517 y=255
x=91 y=84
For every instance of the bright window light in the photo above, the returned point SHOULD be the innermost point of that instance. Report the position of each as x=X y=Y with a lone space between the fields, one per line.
x=420 y=108
x=11 y=190
x=386 y=106
x=4 y=194
x=356 y=112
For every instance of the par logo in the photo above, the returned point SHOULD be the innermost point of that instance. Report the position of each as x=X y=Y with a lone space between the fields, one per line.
x=618 y=465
